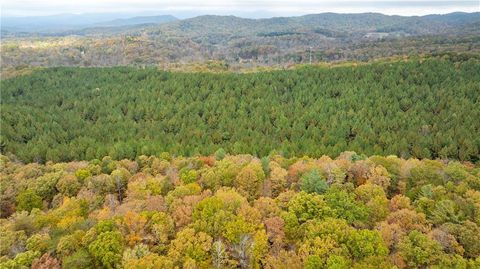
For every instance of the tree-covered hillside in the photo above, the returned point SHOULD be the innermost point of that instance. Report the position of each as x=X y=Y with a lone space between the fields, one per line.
x=422 y=108
x=228 y=211
x=244 y=42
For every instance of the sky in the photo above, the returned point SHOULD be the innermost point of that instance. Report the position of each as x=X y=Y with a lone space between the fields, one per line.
x=247 y=8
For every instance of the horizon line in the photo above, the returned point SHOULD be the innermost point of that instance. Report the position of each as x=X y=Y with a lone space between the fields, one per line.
x=224 y=13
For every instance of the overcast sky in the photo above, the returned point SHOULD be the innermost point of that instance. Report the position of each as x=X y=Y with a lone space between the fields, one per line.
x=257 y=8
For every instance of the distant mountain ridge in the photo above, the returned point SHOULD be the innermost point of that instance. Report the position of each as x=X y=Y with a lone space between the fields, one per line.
x=56 y=24
x=69 y=22
x=138 y=20
x=332 y=21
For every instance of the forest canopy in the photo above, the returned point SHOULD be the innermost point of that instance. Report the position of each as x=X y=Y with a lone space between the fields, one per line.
x=239 y=211
x=423 y=108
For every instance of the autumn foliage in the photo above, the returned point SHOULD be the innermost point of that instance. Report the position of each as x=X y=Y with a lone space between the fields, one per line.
x=239 y=211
